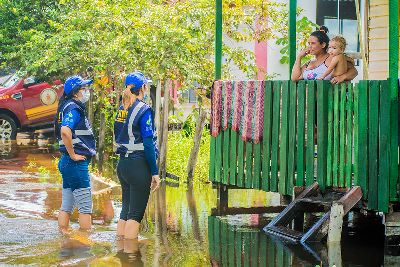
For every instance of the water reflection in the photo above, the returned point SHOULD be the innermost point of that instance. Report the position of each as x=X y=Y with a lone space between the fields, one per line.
x=129 y=254
x=76 y=249
x=232 y=245
x=177 y=227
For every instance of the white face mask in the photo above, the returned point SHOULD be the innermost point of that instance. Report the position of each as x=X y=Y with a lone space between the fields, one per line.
x=85 y=96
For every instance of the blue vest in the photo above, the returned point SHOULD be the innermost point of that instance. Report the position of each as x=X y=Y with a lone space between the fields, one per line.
x=83 y=140
x=127 y=130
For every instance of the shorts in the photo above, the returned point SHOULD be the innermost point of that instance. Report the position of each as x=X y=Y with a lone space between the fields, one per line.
x=76 y=190
x=80 y=198
x=75 y=174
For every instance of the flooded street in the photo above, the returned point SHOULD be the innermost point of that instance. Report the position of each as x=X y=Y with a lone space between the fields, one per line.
x=177 y=230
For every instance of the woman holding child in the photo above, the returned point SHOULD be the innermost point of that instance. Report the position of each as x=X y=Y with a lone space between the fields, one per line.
x=329 y=63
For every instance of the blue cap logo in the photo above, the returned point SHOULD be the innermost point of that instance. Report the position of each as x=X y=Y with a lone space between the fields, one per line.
x=73 y=81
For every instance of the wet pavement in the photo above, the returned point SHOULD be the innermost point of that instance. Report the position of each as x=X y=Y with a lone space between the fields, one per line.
x=177 y=229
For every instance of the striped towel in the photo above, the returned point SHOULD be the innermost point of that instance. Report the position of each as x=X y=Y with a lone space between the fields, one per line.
x=239 y=105
x=216 y=107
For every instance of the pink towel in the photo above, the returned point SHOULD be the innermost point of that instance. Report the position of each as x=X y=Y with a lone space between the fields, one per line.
x=259 y=113
x=216 y=106
x=227 y=99
x=248 y=112
x=238 y=106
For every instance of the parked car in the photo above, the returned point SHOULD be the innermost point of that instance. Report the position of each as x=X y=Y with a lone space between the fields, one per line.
x=26 y=104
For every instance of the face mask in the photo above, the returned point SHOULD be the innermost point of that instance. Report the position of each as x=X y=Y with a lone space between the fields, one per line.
x=85 y=96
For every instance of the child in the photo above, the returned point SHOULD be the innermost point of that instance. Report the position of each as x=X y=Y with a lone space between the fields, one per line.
x=338 y=65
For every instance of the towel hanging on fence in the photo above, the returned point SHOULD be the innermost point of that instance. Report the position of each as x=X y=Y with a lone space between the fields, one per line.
x=239 y=105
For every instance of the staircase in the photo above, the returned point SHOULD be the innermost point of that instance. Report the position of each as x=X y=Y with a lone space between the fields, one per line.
x=289 y=224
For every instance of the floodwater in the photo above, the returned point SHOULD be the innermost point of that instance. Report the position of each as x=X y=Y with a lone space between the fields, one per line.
x=178 y=229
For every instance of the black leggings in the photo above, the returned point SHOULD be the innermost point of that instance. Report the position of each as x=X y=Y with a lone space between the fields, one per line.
x=135 y=178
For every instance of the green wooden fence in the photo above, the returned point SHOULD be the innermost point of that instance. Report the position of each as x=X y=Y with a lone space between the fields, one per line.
x=352 y=146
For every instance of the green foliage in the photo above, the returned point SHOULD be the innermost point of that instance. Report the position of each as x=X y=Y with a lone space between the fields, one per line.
x=167 y=39
x=189 y=126
x=24 y=26
x=164 y=39
x=303 y=29
x=179 y=146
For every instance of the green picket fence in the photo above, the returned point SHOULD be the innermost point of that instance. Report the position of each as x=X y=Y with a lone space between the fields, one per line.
x=355 y=143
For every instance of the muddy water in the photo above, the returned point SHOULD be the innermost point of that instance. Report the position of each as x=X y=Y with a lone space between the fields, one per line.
x=177 y=229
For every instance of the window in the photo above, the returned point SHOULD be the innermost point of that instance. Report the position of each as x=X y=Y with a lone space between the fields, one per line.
x=11 y=81
x=344 y=24
x=189 y=96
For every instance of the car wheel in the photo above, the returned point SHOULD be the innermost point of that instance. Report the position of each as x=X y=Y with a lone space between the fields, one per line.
x=8 y=128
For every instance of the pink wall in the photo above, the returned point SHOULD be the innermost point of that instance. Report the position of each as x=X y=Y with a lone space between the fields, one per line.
x=260 y=51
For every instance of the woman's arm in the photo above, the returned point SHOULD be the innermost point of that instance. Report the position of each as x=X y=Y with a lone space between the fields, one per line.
x=349 y=75
x=66 y=136
x=150 y=154
x=297 y=70
x=146 y=128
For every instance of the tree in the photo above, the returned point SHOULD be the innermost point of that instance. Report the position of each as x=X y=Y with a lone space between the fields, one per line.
x=21 y=22
x=165 y=39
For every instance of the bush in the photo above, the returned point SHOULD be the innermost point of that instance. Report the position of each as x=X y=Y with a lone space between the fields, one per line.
x=179 y=146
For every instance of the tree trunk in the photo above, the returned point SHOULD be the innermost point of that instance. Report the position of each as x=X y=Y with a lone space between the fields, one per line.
x=164 y=131
x=90 y=109
x=201 y=121
x=102 y=134
x=158 y=109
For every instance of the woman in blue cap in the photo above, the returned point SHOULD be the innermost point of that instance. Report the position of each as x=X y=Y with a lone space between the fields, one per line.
x=137 y=169
x=77 y=147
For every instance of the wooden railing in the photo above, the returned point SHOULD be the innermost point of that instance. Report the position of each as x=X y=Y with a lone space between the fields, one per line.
x=273 y=135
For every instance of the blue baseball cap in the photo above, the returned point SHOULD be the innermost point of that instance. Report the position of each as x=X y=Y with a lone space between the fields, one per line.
x=137 y=79
x=73 y=81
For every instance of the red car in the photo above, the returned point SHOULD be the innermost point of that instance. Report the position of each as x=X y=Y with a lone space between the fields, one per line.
x=26 y=104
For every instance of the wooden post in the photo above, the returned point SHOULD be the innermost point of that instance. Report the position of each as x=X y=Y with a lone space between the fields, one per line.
x=217 y=73
x=164 y=131
x=90 y=109
x=292 y=34
x=335 y=223
x=222 y=198
x=102 y=135
x=363 y=35
x=335 y=254
x=218 y=39
x=201 y=121
x=158 y=108
x=393 y=78
x=393 y=39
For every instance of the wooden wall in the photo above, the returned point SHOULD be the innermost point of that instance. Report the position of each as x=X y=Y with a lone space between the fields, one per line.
x=378 y=26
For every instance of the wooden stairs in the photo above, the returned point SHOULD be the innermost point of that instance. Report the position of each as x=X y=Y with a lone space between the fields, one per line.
x=289 y=224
